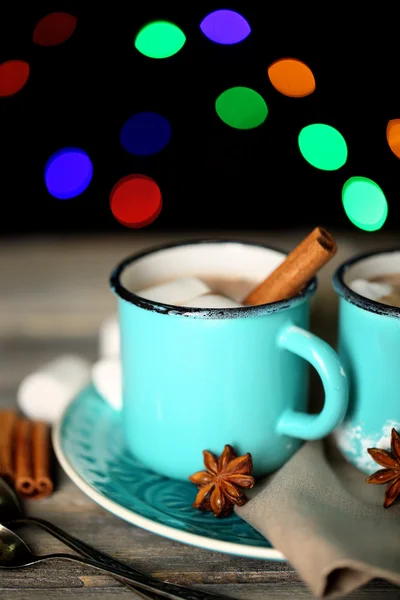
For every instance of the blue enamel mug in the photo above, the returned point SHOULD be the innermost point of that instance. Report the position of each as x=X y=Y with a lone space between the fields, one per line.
x=369 y=346
x=196 y=378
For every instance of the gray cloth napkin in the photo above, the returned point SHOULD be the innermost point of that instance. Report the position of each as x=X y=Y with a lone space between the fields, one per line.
x=329 y=524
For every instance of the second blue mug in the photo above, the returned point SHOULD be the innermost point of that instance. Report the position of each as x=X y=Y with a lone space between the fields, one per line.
x=369 y=346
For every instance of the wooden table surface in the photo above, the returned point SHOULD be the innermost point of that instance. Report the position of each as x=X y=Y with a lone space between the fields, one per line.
x=54 y=295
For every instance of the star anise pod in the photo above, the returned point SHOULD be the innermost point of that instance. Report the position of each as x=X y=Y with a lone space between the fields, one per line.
x=219 y=485
x=391 y=473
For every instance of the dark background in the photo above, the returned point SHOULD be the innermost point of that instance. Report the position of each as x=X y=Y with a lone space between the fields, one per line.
x=211 y=176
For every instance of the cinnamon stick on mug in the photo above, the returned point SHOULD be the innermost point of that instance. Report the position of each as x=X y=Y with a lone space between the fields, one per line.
x=300 y=266
x=8 y=419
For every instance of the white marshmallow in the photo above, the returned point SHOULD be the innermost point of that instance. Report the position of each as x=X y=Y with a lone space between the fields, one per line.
x=177 y=292
x=213 y=301
x=109 y=338
x=107 y=379
x=370 y=289
x=44 y=394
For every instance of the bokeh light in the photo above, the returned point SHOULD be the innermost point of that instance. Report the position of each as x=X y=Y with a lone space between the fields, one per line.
x=145 y=133
x=13 y=76
x=225 y=27
x=136 y=201
x=364 y=203
x=54 y=29
x=160 y=39
x=393 y=136
x=291 y=77
x=68 y=173
x=241 y=108
x=323 y=146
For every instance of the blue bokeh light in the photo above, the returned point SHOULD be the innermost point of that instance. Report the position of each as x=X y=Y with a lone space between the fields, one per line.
x=68 y=173
x=145 y=133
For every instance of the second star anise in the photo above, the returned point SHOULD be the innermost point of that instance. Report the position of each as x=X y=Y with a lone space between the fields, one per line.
x=219 y=485
x=391 y=473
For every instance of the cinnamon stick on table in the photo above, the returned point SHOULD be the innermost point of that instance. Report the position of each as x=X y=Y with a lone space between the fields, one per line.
x=296 y=270
x=8 y=419
x=41 y=454
x=24 y=483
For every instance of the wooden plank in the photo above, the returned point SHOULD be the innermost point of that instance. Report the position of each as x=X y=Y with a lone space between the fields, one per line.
x=96 y=590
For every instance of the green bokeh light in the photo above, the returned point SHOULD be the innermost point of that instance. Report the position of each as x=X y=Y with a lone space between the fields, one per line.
x=160 y=39
x=241 y=108
x=323 y=146
x=364 y=203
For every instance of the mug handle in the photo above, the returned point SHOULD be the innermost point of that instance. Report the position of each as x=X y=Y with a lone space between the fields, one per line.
x=326 y=362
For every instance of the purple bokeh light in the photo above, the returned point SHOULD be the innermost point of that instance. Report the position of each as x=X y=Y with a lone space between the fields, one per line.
x=225 y=27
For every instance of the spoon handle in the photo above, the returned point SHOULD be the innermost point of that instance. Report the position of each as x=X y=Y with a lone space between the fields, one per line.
x=85 y=550
x=167 y=590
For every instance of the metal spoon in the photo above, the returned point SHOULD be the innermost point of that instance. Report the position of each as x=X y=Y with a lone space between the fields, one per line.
x=12 y=514
x=14 y=554
x=10 y=506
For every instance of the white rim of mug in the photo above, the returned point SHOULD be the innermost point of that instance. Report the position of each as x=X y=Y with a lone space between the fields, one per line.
x=343 y=290
x=166 y=531
x=204 y=313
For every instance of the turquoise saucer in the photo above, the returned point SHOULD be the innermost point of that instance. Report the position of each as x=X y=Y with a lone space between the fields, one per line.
x=89 y=445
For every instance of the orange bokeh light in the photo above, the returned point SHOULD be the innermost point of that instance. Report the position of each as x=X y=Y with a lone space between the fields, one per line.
x=393 y=136
x=292 y=77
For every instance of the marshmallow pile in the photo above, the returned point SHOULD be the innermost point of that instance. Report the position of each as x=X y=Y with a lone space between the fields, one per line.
x=370 y=289
x=187 y=291
x=382 y=291
x=45 y=394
